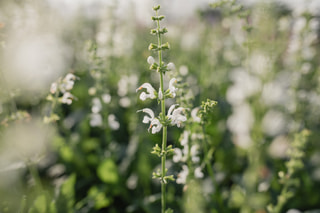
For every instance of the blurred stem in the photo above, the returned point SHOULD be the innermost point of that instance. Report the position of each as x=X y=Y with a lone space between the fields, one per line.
x=164 y=130
x=35 y=175
x=209 y=154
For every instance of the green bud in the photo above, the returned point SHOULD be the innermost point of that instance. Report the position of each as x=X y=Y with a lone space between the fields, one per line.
x=153 y=66
x=154 y=31
x=156 y=8
x=153 y=47
x=163 y=31
x=165 y=46
x=157 y=18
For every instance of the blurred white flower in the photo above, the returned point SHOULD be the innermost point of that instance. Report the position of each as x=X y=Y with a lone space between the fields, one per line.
x=113 y=123
x=67 y=98
x=185 y=138
x=125 y=102
x=182 y=176
x=177 y=156
x=278 y=147
x=245 y=85
x=34 y=60
x=171 y=66
x=54 y=87
x=241 y=120
x=24 y=141
x=106 y=98
x=92 y=91
x=194 y=153
x=183 y=70
x=274 y=123
x=263 y=186
x=273 y=93
x=95 y=120
x=151 y=92
x=150 y=60
x=67 y=82
x=194 y=115
x=96 y=105
x=172 y=88
x=198 y=173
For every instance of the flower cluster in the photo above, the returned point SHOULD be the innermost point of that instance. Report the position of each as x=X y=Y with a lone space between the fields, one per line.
x=64 y=86
x=189 y=152
x=60 y=93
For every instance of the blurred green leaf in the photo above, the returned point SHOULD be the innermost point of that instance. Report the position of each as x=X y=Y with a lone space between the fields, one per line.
x=107 y=172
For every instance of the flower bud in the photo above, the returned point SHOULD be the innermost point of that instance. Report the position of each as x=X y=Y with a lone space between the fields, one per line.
x=156 y=8
x=154 y=66
x=163 y=31
x=153 y=31
x=157 y=18
x=153 y=46
x=165 y=46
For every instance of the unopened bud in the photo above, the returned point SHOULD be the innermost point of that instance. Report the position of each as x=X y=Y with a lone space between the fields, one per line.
x=153 y=46
x=156 y=8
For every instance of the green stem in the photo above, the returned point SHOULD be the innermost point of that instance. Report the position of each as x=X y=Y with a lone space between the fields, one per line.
x=164 y=130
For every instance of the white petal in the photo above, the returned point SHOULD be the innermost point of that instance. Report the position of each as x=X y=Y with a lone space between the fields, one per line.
x=171 y=109
x=150 y=60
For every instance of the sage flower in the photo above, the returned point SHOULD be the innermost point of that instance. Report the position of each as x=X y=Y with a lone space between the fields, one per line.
x=151 y=92
x=67 y=98
x=175 y=115
x=172 y=88
x=155 y=124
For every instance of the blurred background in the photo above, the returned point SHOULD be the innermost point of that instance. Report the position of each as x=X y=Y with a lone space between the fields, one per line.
x=74 y=143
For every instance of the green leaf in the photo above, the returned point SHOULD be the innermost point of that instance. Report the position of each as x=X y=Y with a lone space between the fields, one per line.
x=65 y=201
x=107 y=172
x=39 y=205
x=99 y=197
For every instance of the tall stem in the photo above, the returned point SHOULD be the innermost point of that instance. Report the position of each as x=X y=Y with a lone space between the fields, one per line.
x=164 y=130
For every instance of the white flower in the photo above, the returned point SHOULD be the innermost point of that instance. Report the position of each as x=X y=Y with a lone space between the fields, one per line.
x=175 y=115
x=194 y=115
x=68 y=82
x=177 y=156
x=172 y=88
x=150 y=60
x=113 y=123
x=198 y=173
x=171 y=66
x=150 y=91
x=106 y=98
x=96 y=105
x=54 y=87
x=95 y=120
x=185 y=138
x=67 y=98
x=182 y=176
x=147 y=119
x=194 y=153
x=155 y=124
